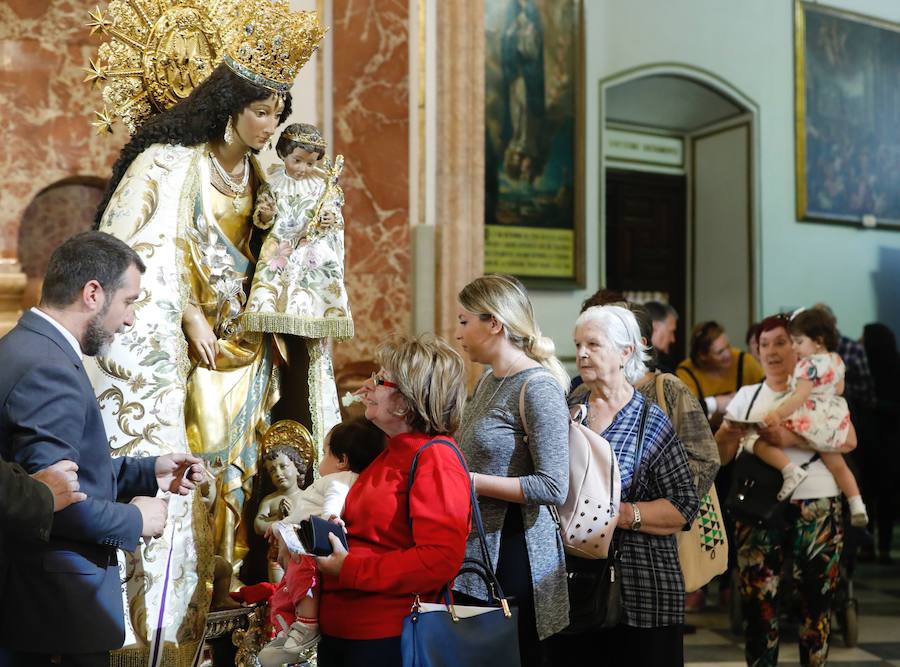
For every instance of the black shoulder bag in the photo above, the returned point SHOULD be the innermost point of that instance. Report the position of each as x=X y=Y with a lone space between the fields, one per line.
x=595 y=586
x=752 y=496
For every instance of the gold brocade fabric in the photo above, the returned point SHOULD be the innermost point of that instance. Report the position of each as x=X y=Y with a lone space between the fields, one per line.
x=226 y=407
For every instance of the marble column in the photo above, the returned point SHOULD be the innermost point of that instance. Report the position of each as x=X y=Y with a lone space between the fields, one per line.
x=460 y=154
x=371 y=129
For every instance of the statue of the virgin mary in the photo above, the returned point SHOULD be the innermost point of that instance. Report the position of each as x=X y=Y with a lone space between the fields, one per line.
x=187 y=376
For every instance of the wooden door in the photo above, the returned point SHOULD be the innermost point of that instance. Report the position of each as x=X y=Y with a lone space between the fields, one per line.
x=646 y=238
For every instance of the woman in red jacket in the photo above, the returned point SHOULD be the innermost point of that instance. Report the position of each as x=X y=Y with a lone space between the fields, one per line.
x=401 y=543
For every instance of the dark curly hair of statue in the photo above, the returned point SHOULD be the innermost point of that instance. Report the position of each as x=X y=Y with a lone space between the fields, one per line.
x=293 y=456
x=199 y=118
x=286 y=146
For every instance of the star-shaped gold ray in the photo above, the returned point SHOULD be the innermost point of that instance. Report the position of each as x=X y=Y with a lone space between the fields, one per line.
x=94 y=74
x=98 y=21
x=104 y=122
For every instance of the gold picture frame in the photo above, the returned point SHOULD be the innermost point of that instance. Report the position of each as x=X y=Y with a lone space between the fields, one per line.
x=534 y=141
x=847 y=168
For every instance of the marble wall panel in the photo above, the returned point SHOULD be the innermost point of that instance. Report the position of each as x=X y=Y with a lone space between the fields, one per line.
x=371 y=129
x=47 y=135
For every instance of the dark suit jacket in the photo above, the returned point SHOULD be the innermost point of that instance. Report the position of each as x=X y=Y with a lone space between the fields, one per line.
x=63 y=595
x=26 y=510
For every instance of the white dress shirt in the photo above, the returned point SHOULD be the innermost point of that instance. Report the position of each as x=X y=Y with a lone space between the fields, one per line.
x=65 y=332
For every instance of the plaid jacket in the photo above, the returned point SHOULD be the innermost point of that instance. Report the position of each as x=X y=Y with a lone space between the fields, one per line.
x=652 y=583
x=859 y=388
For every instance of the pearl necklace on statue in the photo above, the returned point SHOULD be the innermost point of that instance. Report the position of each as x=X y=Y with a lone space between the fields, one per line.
x=237 y=188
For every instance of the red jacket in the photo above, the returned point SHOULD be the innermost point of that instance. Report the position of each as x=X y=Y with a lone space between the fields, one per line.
x=388 y=564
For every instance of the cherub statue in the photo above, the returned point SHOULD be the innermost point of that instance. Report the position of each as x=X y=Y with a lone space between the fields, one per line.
x=287 y=470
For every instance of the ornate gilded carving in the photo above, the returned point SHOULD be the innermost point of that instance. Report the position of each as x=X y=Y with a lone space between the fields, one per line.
x=158 y=52
x=293 y=434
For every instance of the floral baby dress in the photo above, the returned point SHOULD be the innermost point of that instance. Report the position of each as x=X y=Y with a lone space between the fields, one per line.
x=825 y=419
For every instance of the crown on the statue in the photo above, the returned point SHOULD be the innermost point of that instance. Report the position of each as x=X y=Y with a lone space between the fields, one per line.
x=306 y=138
x=268 y=43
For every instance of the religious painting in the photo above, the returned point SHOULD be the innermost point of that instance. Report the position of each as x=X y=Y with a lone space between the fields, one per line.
x=533 y=141
x=847 y=115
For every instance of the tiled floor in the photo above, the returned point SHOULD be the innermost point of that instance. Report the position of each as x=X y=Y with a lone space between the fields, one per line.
x=876 y=588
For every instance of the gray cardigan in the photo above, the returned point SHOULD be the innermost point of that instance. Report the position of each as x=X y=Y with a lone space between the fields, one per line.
x=493 y=440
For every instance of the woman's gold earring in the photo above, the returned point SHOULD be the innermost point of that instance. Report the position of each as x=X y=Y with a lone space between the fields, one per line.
x=228 y=137
x=268 y=145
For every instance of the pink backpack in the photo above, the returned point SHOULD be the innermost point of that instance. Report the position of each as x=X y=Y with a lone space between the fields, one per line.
x=588 y=517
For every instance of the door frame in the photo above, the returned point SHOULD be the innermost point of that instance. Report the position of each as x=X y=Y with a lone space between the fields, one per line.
x=744 y=121
x=729 y=91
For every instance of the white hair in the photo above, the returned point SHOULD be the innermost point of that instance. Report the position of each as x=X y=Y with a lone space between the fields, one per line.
x=620 y=327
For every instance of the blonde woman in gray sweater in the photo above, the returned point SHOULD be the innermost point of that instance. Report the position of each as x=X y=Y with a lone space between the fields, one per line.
x=518 y=476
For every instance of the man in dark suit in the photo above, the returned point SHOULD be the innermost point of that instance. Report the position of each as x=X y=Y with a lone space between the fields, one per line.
x=62 y=603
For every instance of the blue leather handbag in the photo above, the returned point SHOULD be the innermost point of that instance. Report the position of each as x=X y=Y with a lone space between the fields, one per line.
x=443 y=634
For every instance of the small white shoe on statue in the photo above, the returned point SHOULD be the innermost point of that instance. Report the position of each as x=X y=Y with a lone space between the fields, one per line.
x=793 y=477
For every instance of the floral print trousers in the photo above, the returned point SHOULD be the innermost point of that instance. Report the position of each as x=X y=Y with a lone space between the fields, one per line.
x=813 y=537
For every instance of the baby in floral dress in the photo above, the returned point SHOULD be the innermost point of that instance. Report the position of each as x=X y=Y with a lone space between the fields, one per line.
x=298 y=287
x=815 y=410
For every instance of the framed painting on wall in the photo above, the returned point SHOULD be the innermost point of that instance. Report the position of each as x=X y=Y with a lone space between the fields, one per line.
x=534 y=220
x=847 y=116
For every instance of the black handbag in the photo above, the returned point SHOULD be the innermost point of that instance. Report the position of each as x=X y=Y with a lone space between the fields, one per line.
x=595 y=593
x=753 y=494
x=595 y=586
x=444 y=634
x=752 y=498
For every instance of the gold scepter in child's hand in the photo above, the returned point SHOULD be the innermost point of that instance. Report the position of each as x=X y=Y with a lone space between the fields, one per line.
x=332 y=174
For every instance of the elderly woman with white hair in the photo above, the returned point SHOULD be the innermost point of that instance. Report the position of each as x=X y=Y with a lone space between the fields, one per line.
x=657 y=483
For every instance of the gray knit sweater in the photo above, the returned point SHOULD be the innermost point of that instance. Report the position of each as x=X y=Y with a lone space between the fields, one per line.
x=493 y=439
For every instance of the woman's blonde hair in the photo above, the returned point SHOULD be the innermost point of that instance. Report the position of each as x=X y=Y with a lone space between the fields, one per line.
x=430 y=376
x=505 y=299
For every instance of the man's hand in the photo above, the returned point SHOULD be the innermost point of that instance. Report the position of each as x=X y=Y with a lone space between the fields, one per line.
x=153 y=514
x=62 y=480
x=179 y=473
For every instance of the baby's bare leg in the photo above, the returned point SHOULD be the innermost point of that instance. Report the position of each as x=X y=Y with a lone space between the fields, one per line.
x=774 y=456
x=309 y=606
x=838 y=467
x=771 y=454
